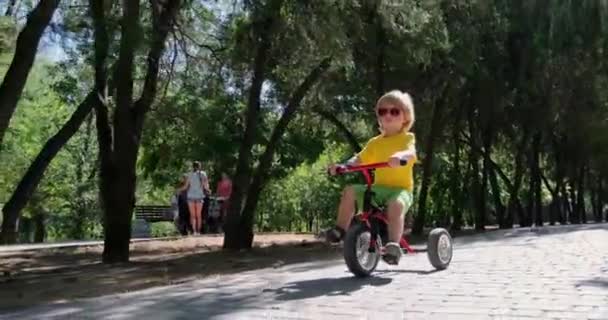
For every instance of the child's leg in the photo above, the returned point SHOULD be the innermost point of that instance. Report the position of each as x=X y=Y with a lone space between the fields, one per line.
x=398 y=202
x=346 y=210
x=395 y=220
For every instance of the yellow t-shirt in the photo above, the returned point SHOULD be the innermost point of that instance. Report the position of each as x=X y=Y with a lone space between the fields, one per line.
x=380 y=149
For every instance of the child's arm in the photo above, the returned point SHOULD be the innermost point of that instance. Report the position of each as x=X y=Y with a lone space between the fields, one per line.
x=355 y=160
x=409 y=154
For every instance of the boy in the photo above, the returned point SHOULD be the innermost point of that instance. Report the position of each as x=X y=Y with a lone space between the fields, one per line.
x=393 y=186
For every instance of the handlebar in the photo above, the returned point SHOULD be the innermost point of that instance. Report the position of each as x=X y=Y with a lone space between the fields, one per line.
x=342 y=169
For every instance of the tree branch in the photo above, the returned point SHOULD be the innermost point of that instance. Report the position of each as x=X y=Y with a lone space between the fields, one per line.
x=23 y=59
x=130 y=27
x=350 y=138
x=277 y=133
x=494 y=165
x=162 y=26
x=102 y=121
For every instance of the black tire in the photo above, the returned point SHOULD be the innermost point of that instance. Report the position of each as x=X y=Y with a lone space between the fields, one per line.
x=350 y=251
x=440 y=257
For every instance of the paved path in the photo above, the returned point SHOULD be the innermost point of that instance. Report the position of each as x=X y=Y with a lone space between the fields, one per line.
x=68 y=244
x=553 y=273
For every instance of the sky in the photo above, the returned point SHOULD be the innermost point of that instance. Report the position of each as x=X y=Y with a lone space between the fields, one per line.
x=51 y=50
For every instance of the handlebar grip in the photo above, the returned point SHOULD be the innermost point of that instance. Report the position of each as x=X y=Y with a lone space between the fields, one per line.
x=339 y=170
x=403 y=162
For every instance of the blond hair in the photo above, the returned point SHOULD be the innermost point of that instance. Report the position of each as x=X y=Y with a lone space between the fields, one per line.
x=402 y=100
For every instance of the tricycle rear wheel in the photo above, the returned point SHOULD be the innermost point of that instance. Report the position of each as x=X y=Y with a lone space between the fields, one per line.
x=439 y=248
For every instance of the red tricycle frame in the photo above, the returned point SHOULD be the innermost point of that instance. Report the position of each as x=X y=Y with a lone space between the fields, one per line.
x=369 y=212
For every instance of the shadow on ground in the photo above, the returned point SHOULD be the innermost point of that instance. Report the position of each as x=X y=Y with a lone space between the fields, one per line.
x=596 y=282
x=32 y=279
x=325 y=287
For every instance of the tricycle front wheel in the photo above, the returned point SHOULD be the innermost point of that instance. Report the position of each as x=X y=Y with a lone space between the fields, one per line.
x=361 y=261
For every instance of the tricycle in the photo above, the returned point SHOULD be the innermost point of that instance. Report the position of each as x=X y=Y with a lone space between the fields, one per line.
x=364 y=239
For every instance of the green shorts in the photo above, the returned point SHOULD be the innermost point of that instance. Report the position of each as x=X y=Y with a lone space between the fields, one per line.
x=383 y=195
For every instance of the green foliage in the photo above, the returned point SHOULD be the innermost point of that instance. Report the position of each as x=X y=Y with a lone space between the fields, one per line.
x=306 y=199
x=163 y=229
x=8 y=35
x=501 y=71
x=67 y=195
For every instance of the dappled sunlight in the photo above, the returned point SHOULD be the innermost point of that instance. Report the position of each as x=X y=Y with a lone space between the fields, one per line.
x=47 y=277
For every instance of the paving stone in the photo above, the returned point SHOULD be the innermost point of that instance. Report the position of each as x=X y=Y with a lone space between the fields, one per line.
x=492 y=277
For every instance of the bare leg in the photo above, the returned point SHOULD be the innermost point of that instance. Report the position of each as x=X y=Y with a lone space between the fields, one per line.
x=198 y=214
x=395 y=221
x=346 y=210
x=192 y=209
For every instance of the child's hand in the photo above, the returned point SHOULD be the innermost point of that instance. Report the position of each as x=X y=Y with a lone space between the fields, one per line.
x=394 y=162
x=332 y=169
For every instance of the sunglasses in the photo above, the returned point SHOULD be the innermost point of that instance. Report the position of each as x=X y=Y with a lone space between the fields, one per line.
x=384 y=111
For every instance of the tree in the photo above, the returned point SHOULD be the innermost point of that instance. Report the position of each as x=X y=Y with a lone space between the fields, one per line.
x=25 y=52
x=119 y=140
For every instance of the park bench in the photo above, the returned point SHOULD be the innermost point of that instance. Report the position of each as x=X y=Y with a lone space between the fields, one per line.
x=154 y=213
x=144 y=215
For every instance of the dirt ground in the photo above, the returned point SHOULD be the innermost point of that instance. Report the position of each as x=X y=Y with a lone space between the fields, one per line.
x=57 y=275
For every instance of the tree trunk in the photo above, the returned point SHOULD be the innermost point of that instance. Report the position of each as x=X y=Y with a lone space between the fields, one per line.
x=567 y=203
x=118 y=198
x=600 y=197
x=25 y=230
x=529 y=209
x=30 y=180
x=499 y=206
x=491 y=175
x=515 y=206
x=118 y=154
x=380 y=56
x=536 y=176
x=597 y=205
x=232 y=237
x=311 y=220
x=573 y=206
x=440 y=104
x=559 y=196
x=477 y=192
x=456 y=190
x=23 y=59
x=117 y=173
x=580 y=196
x=255 y=189
x=554 y=200
x=40 y=232
x=561 y=204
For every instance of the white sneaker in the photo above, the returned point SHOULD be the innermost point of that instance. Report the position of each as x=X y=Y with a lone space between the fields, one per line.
x=392 y=253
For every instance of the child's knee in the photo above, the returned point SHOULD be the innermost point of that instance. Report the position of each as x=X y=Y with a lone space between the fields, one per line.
x=396 y=208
